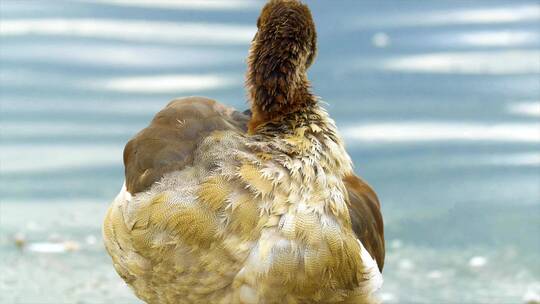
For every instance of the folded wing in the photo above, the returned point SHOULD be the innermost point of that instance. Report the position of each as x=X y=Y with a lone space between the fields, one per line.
x=366 y=218
x=167 y=144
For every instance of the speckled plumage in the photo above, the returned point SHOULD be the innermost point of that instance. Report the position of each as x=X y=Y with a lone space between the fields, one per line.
x=211 y=213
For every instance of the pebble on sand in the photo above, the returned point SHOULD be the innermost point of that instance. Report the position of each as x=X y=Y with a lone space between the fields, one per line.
x=20 y=239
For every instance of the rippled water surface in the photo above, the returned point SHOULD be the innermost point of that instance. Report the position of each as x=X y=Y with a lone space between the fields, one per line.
x=438 y=101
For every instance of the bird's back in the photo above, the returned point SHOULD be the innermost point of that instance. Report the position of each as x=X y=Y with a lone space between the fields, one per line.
x=222 y=207
x=244 y=218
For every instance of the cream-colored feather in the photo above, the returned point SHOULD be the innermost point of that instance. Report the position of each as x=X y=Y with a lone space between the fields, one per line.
x=249 y=227
x=223 y=208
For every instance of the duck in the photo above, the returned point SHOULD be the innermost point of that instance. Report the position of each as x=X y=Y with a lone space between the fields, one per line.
x=261 y=206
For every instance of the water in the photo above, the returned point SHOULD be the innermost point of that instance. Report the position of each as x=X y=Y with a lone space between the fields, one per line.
x=439 y=103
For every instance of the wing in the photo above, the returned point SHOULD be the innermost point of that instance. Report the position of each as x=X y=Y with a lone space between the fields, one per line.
x=367 y=222
x=167 y=144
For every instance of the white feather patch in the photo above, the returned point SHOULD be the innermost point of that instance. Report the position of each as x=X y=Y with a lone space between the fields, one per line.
x=372 y=275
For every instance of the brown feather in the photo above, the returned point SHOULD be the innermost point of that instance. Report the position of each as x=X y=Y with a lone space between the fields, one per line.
x=211 y=214
x=366 y=217
x=167 y=144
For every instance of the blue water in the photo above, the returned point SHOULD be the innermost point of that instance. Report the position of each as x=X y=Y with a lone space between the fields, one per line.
x=439 y=104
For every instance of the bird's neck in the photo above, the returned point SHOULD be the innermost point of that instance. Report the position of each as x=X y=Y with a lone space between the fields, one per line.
x=278 y=99
x=308 y=135
x=286 y=122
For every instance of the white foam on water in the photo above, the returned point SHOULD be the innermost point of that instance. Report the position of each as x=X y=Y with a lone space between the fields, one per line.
x=411 y=132
x=116 y=55
x=483 y=63
x=532 y=294
x=521 y=159
x=497 y=38
x=531 y=108
x=183 y=4
x=30 y=158
x=519 y=13
x=106 y=106
x=131 y=30
x=30 y=128
x=47 y=247
x=435 y=275
x=514 y=159
x=406 y=264
x=478 y=262
x=34 y=78
x=396 y=244
x=485 y=15
x=50 y=247
x=168 y=83
x=380 y=40
x=158 y=83
x=387 y=297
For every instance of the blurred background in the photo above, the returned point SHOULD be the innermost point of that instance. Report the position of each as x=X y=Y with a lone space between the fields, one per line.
x=438 y=101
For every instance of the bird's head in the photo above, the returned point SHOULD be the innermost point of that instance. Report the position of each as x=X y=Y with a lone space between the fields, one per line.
x=287 y=24
x=283 y=49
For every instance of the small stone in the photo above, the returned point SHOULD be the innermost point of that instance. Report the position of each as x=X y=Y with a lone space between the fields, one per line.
x=71 y=246
x=20 y=240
